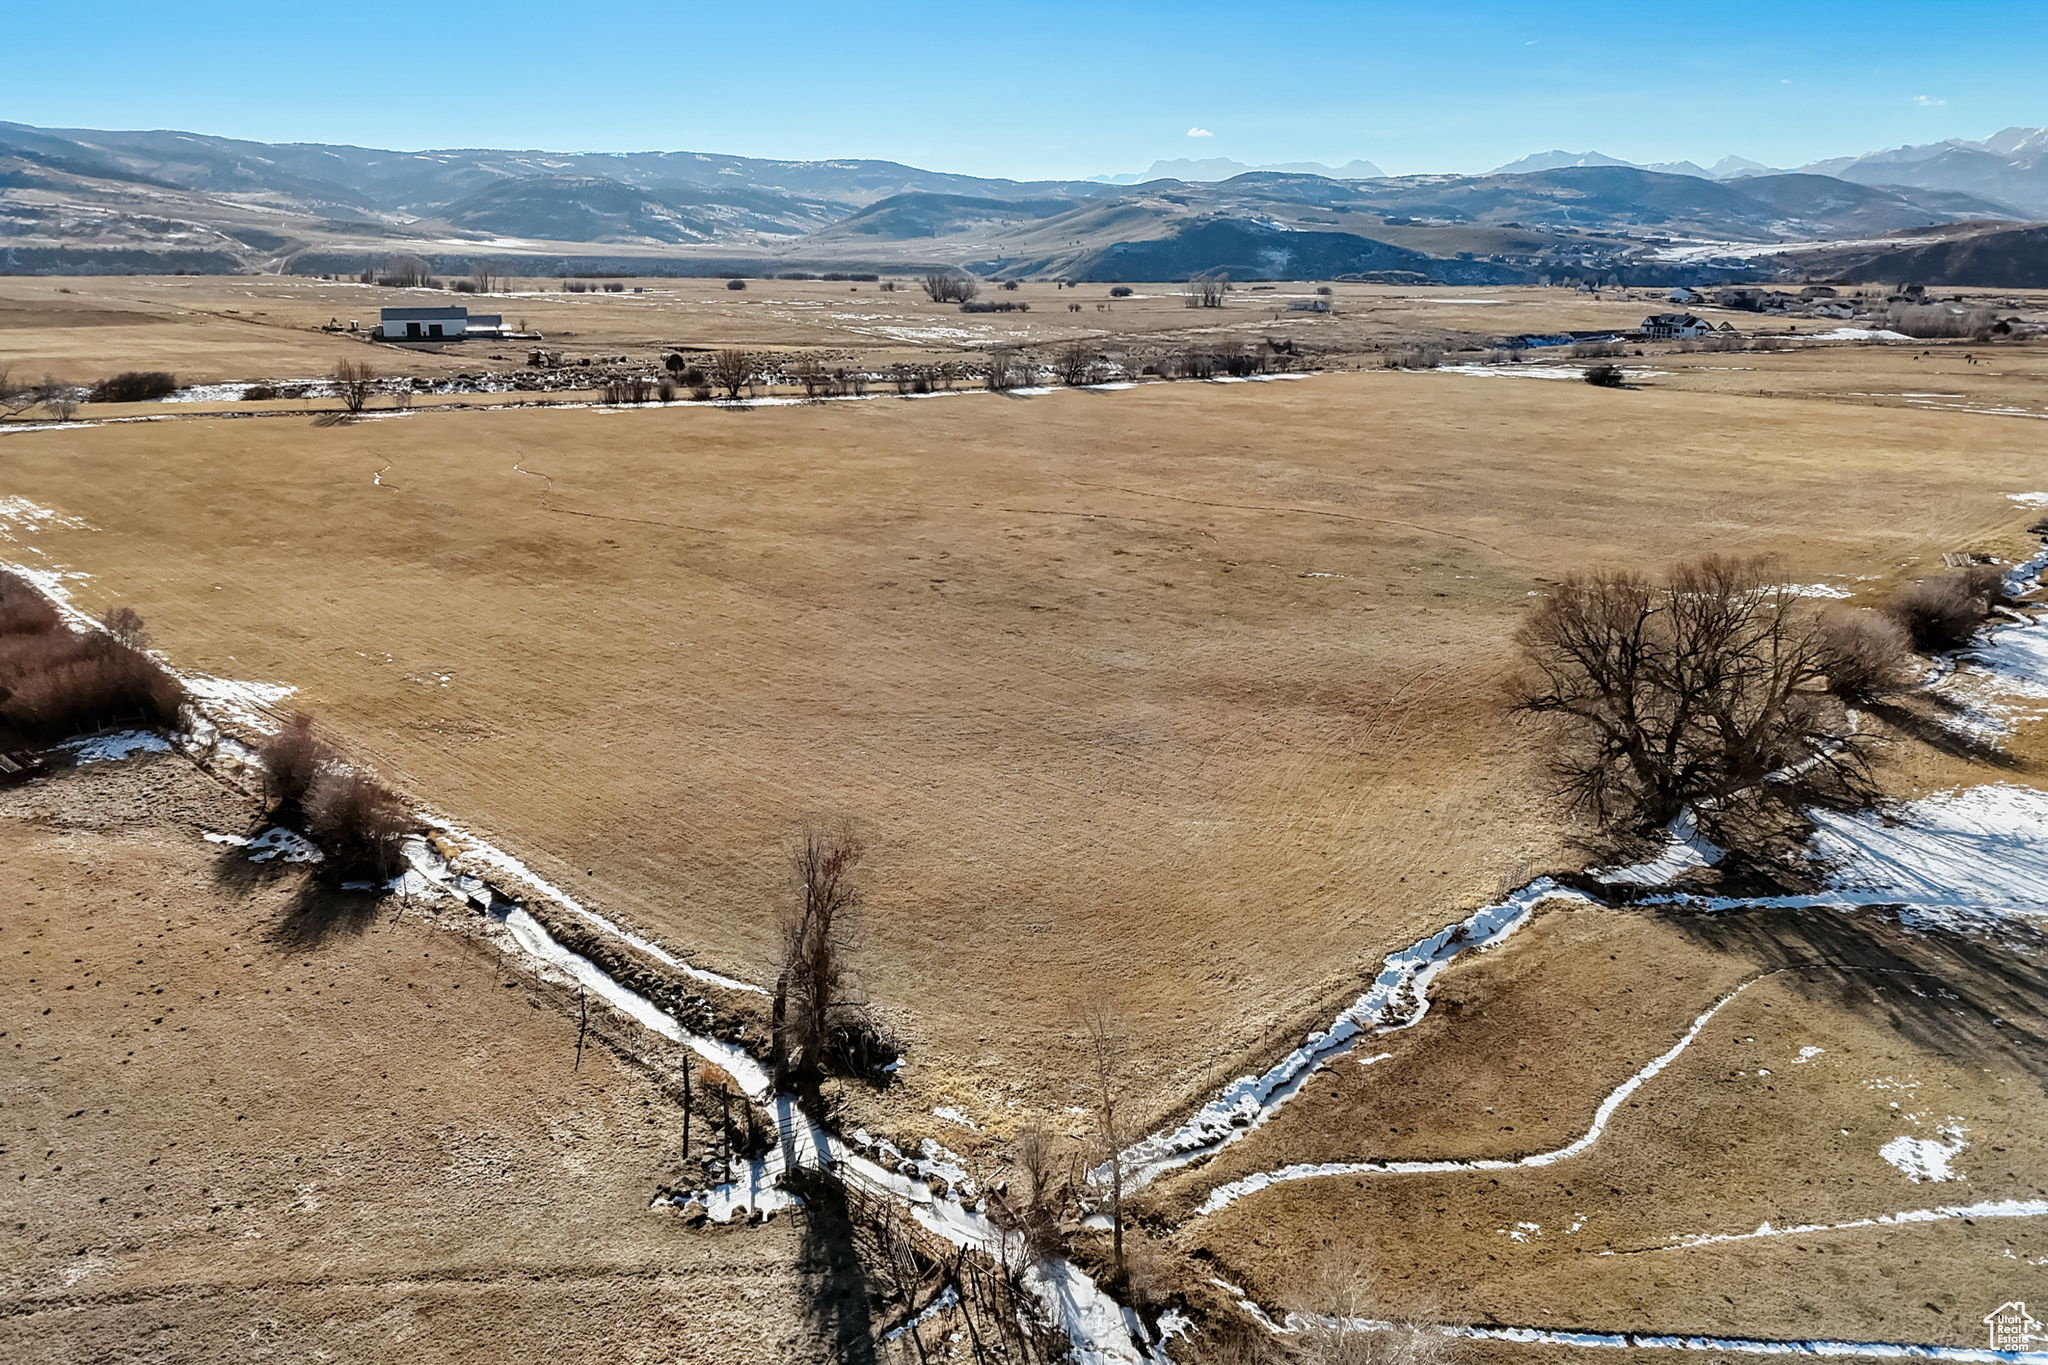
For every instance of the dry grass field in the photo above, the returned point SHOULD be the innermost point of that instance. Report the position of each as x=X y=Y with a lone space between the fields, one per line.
x=1840 y=1037
x=213 y=329
x=228 y=1143
x=1183 y=697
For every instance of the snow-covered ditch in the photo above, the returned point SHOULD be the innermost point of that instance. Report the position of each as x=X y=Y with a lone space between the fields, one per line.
x=1223 y=1196
x=1398 y=998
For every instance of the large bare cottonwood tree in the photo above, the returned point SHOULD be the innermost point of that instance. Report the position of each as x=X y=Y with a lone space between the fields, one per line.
x=1687 y=691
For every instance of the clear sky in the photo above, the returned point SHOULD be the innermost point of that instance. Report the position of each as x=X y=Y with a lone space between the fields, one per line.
x=1052 y=89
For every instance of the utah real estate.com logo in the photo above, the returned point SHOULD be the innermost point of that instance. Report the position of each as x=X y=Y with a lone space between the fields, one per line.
x=2013 y=1328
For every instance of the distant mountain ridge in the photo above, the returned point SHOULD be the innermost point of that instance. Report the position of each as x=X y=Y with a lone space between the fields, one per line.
x=1223 y=168
x=2011 y=165
x=83 y=201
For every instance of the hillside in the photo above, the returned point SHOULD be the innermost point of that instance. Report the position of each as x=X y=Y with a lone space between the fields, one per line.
x=906 y=216
x=593 y=209
x=1252 y=250
x=1998 y=258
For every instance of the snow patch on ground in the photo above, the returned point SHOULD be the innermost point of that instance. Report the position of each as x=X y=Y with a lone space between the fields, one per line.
x=245 y=703
x=112 y=748
x=1859 y=334
x=1926 y=1159
x=20 y=514
x=1685 y=849
x=1989 y=1208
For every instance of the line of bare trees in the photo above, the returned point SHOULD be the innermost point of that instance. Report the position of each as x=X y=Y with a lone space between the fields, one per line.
x=1205 y=291
x=949 y=286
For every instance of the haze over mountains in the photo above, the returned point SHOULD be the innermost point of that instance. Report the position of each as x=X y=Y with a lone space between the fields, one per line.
x=75 y=200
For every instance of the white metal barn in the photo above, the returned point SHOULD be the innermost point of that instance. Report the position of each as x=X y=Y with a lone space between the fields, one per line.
x=422 y=324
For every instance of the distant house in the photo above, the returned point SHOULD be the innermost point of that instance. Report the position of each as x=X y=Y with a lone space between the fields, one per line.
x=1684 y=295
x=1309 y=306
x=423 y=324
x=2012 y=1327
x=1665 y=326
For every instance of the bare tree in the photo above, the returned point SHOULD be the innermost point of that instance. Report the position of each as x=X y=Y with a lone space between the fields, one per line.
x=1076 y=364
x=1004 y=369
x=1684 y=693
x=733 y=370
x=949 y=286
x=1107 y=1079
x=1206 y=290
x=16 y=397
x=817 y=935
x=125 y=625
x=354 y=382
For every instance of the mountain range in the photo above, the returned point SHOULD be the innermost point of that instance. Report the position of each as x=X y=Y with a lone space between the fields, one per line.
x=77 y=200
x=1223 y=168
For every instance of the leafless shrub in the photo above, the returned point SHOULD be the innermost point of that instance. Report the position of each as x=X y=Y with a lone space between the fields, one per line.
x=1866 y=654
x=1595 y=350
x=354 y=382
x=1684 y=693
x=1037 y=1197
x=1945 y=612
x=291 y=759
x=1121 y=291
x=733 y=370
x=1605 y=376
x=630 y=389
x=944 y=286
x=1414 y=358
x=57 y=681
x=23 y=610
x=1205 y=291
x=135 y=386
x=358 y=822
x=1347 y=1324
x=60 y=401
x=260 y=393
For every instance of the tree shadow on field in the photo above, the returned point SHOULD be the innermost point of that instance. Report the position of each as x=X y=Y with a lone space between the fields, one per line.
x=1922 y=720
x=318 y=912
x=829 y=1266
x=313 y=910
x=1954 y=992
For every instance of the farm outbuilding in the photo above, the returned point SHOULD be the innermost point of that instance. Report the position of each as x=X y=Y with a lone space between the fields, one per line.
x=422 y=324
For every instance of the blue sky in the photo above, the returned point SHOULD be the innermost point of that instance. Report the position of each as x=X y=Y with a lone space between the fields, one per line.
x=1050 y=89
